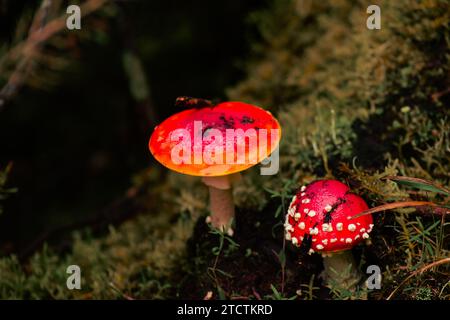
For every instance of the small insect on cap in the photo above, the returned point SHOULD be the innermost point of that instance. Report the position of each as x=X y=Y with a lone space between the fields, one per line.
x=215 y=140
x=319 y=217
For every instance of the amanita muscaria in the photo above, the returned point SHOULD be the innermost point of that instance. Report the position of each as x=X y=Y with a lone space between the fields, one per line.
x=319 y=219
x=215 y=142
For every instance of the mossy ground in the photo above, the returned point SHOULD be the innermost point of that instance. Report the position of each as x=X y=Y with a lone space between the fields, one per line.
x=354 y=104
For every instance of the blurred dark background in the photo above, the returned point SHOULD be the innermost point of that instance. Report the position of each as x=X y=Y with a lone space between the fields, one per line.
x=76 y=144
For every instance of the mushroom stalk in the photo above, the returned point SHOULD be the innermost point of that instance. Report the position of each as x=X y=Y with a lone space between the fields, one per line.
x=221 y=206
x=221 y=202
x=341 y=271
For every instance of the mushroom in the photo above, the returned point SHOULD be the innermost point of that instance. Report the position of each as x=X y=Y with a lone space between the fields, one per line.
x=319 y=219
x=215 y=142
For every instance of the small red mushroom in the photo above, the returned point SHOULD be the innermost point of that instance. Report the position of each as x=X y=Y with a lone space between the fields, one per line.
x=215 y=142
x=319 y=219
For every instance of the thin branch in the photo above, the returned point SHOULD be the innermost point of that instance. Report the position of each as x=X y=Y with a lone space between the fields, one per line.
x=40 y=32
x=396 y=205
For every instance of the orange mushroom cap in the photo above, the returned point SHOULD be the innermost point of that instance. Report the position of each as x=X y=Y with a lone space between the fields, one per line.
x=216 y=140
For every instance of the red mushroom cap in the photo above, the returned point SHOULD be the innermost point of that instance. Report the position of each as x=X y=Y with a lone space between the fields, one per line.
x=319 y=217
x=221 y=117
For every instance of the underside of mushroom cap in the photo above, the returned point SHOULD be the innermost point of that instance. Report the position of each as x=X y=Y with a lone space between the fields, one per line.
x=319 y=218
x=215 y=141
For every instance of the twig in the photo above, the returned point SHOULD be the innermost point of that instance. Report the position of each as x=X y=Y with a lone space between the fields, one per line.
x=144 y=107
x=208 y=295
x=124 y=295
x=40 y=32
x=256 y=294
x=239 y=298
x=436 y=96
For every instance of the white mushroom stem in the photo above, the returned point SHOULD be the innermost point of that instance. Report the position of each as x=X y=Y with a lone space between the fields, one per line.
x=221 y=202
x=341 y=271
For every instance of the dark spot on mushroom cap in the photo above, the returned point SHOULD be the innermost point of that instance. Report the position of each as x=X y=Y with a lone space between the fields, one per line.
x=328 y=218
x=227 y=123
x=206 y=129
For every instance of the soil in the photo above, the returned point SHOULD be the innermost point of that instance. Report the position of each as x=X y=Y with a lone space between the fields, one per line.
x=250 y=270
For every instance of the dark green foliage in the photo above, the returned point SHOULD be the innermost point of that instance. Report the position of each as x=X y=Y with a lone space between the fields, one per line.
x=375 y=101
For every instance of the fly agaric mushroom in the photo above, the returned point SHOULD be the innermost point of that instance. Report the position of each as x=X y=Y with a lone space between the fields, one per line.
x=319 y=219
x=210 y=141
